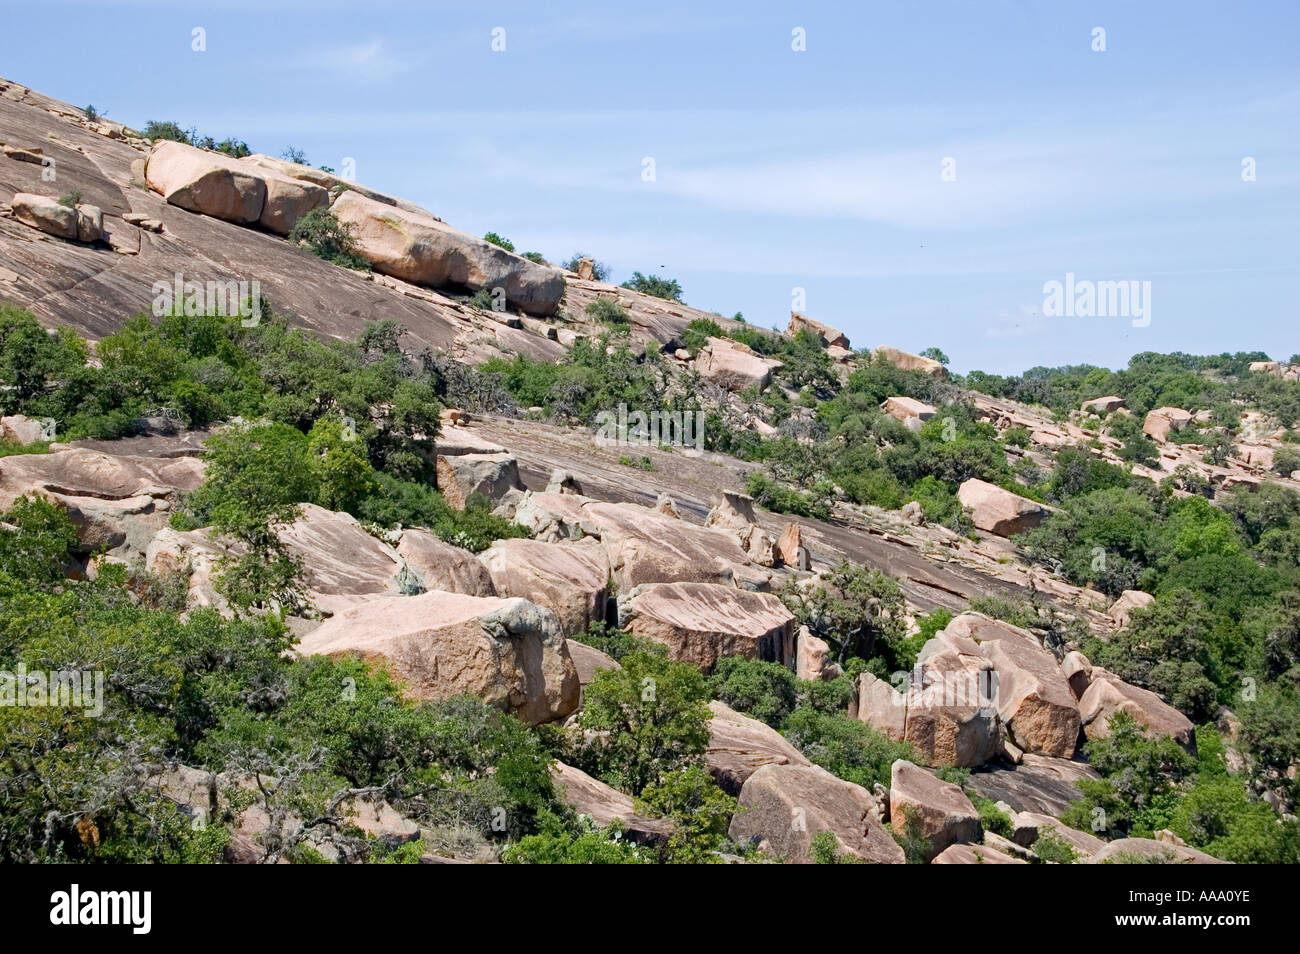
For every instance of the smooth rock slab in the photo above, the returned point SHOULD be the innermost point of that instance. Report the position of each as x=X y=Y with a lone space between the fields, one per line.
x=739 y=746
x=569 y=579
x=703 y=622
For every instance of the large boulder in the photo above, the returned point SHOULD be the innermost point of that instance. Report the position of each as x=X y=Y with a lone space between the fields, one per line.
x=813 y=658
x=1077 y=670
x=1162 y=420
x=785 y=806
x=46 y=214
x=734 y=366
x=1108 y=694
x=1033 y=696
x=1121 y=611
x=440 y=566
x=790 y=548
x=645 y=546
x=947 y=711
x=829 y=337
x=341 y=562
x=965 y=854
x=907 y=361
x=22 y=430
x=328 y=181
x=462 y=475
x=911 y=412
x=78 y=223
x=569 y=579
x=1133 y=851
x=287 y=201
x=739 y=746
x=206 y=182
x=1103 y=405
x=113 y=501
x=703 y=622
x=509 y=652
x=937 y=810
x=588 y=660
x=421 y=249
x=604 y=805
x=1000 y=511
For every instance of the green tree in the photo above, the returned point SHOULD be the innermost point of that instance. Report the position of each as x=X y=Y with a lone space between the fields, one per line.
x=648 y=719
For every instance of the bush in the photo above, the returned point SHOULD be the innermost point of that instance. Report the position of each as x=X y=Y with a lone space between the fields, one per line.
x=845 y=747
x=698 y=332
x=765 y=690
x=654 y=285
x=607 y=311
x=648 y=719
x=326 y=237
x=1052 y=848
x=500 y=241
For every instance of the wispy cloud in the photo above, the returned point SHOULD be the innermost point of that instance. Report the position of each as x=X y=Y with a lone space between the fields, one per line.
x=370 y=61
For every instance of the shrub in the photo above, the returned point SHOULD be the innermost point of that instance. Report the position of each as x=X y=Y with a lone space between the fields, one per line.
x=654 y=285
x=1052 y=848
x=607 y=311
x=845 y=747
x=500 y=241
x=765 y=690
x=648 y=719
x=326 y=237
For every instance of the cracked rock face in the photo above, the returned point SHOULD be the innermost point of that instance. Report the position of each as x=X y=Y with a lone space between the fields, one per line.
x=703 y=622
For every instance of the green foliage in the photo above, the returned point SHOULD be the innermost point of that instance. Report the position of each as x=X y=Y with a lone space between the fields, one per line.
x=845 y=747
x=322 y=234
x=500 y=241
x=767 y=691
x=648 y=719
x=698 y=332
x=907 y=831
x=992 y=818
x=699 y=809
x=34 y=542
x=608 y=639
x=770 y=495
x=654 y=285
x=1052 y=848
x=1137 y=789
x=559 y=844
x=824 y=849
x=858 y=611
x=607 y=311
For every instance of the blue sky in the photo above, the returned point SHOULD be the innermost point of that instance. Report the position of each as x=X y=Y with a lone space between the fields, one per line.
x=777 y=169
